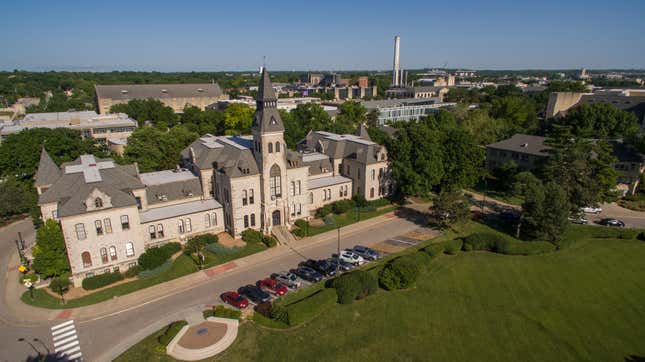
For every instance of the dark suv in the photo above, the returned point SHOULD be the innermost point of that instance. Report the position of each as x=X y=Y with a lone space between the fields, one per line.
x=307 y=274
x=321 y=266
x=254 y=294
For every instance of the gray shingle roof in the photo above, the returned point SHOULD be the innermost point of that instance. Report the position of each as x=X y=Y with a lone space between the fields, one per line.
x=341 y=146
x=229 y=154
x=267 y=118
x=522 y=143
x=48 y=172
x=145 y=91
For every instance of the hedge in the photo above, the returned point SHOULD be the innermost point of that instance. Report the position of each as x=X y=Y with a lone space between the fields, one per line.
x=342 y=206
x=223 y=312
x=254 y=236
x=355 y=285
x=171 y=332
x=400 y=273
x=434 y=249
x=101 y=280
x=324 y=211
x=156 y=256
x=498 y=244
x=304 y=310
x=452 y=247
x=132 y=271
x=206 y=238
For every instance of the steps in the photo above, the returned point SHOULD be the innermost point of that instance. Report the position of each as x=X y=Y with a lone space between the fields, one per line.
x=283 y=235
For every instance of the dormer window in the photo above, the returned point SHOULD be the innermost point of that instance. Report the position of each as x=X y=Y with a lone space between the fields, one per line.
x=272 y=121
x=98 y=202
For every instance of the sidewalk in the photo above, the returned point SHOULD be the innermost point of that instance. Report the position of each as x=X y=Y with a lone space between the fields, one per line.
x=145 y=296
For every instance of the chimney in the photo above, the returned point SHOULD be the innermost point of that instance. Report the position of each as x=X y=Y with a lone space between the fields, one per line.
x=395 y=70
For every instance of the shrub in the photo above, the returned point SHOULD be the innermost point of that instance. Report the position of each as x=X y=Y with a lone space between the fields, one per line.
x=269 y=241
x=308 y=308
x=31 y=277
x=379 y=202
x=252 y=236
x=452 y=247
x=324 y=211
x=434 y=249
x=60 y=284
x=171 y=331
x=300 y=232
x=498 y=244
x=301 y=223
x=482 y=241
x=171 y=248
x=641 y=236
x=156 y=256
x=360 y=201
x=133 y=271
x=223 y=312
x=342 y=206
x=400 y=273
x=101 y=280
x=205 y=239
x=264 y=309
x=354 y=285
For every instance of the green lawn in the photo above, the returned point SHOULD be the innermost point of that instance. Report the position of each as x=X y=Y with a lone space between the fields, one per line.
x=347 y=219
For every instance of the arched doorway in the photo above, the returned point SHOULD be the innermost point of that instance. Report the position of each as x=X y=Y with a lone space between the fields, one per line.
x=275 y=217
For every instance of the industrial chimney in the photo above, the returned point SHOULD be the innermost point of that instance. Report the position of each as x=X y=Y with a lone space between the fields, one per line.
x=396 y=81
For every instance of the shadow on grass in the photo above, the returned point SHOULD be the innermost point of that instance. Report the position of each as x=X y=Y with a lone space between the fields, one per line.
x=415 y=216
x=634 y=358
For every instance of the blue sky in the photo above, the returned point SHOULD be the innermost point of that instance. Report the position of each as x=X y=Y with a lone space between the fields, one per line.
x=234 y=35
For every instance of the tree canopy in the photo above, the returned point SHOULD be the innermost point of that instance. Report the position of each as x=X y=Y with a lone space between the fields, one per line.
x=154 y=149
x=599 y=120
x=151 y=110
x=50 y=254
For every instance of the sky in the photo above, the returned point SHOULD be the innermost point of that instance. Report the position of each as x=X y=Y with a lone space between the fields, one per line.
x=217 y=35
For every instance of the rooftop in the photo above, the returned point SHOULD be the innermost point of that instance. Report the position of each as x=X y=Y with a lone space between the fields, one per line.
x=166 y=176
x=523 y=143
x=186 y=208
x=327 y=181
x=144 y=91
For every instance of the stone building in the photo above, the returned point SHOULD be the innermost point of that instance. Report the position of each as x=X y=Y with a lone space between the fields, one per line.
x=175 y=96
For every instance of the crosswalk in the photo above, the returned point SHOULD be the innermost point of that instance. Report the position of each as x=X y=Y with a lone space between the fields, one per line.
x=66 y=343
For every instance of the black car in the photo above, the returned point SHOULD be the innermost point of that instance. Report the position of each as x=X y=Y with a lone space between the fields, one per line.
x=338 y=264
x=366 y=253
x=321 y=266
x=612 y=222
x=307 y=274
x=254 y=294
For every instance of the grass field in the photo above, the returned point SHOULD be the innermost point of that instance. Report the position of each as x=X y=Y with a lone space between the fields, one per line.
x=585 y=302
x=348 y=218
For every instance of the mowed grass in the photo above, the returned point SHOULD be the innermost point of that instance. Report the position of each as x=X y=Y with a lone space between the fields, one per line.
x=585 y=302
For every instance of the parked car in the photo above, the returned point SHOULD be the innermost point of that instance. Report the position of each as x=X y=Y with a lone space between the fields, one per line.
x=254 y=293
x=235 y=299
x=366 y=253
x=578 y=219
x=321 y=266
x=340 y=265
x=272 y=286
x=289 y=279
x=349 y=256
x=591 y=210
x=307 y=274
x=612 y=222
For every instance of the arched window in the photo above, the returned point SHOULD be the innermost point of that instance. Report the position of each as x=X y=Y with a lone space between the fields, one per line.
x=98 y=202
x=251 y=199
x=87 y=259
x=246 y=221
x=104 y=255
x=277 y=147
x=275 y=182
x=207 y=220
x=189 y=226
x=180 y=225
x=372 y=192
x=373 y=174
x=252 y=219
x=113 y=253
x=270 y=147
x=244 y=197
x=129 y=249
x=214 y=219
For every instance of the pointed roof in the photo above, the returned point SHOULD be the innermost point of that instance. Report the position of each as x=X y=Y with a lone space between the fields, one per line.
x=362 y=132
x=48 y=172
x=267 y=118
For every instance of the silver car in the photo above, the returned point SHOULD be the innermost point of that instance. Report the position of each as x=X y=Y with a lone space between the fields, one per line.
x=289 y=279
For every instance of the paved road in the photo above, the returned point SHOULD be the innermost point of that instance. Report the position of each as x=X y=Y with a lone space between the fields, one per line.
x=102 y=339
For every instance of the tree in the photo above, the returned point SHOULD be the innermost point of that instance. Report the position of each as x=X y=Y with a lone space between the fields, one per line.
x=523 y=181
x=147 y=110
x=304 y=118
x=544 y=212
x=484 y=128
x=238 y=118
x=350 y=116
x=154 y=149
x=505 y=175
x=16 y=197
x=197 y=246
x=463 y=159
x=518 y=113
x=50 y=254
x=450 y=206
x=599 y=120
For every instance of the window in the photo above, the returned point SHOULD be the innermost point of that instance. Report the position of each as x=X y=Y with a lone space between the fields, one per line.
x=358 y=173
x=341 y=191
x=87 y=259
x=214 y=219
x=246 y=221
x=129 y=249
x=207 y=220
x=277 y=147
x=189 y=227
x=98 y=203
x=372 y=192
x=55 y=214
x=299 y=209
x=160 y=231
x=138 y=200
x=340 y=168
x=275 y=181
x=298 y=189
x=152 y=232
x=125 y=222
x=292 y=188
x=113 y=253
x=311 y=197
x=104 y=255
x=252 y=219
x=99 y=227
x=380 y=172
x=346 y=188
x=373 y=174
x=180 y=224
x=293 y=209
x=251 y=199
x=244 y=197
x=80 y=231
x=270 y=147
x=108 y=226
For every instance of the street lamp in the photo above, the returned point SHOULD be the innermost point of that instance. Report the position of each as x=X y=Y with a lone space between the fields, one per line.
x=29 y=285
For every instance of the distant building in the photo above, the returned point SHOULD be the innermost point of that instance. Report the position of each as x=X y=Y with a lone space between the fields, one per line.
x=111 y=130
x=176 y=96
x=465 y=73
x=315 y=78
x=416 y=92
x=404 y=110
x=363 y=82
x=560 y=102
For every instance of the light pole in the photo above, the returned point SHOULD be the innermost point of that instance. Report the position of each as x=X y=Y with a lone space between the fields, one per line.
x=338 y=264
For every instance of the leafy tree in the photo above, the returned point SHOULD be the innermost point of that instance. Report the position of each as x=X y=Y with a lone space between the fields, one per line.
x=505 y=175
x=599 y=120
x=518 y=113
x=16 y=197
x=154 y=149
x=60 y=284
x=147 y=110
x=197 y=246
x=544 y=212
x=451 y=206
x=50 y=254
x=238 y=118
x=302 y=119
x=463 y=159
x=523 y=181
x=484 y=128
x=350 y=116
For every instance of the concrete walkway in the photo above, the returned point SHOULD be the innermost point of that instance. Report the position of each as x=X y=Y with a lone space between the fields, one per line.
x=29 y=315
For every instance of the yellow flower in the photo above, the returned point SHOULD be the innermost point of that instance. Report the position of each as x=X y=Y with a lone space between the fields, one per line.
x=22 y=269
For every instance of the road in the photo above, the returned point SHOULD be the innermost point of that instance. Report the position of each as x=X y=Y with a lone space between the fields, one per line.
x=103 y=338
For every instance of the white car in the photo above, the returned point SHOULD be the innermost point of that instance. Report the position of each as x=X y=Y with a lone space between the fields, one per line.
x=351 y=257
x=591 y=210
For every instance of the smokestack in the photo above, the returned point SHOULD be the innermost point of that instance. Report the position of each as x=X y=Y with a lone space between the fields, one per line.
x=395 y=69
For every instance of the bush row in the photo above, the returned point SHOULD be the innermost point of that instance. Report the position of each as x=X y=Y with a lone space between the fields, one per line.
x=171 y=332
x=222 y=312
x=254 y=236
x=155 y=256
x=355 y=285
x=402 y=272
x=101 y=280
x=498 y=244
x=301 y=311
